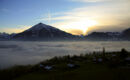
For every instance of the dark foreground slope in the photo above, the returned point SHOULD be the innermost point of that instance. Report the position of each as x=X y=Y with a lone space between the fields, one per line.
x=96 y=66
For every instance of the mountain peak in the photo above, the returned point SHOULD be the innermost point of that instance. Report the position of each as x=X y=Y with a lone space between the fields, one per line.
x=39 y=26
x=40 y=23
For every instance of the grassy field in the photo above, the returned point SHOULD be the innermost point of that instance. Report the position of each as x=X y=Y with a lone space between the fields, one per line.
x=97 y=65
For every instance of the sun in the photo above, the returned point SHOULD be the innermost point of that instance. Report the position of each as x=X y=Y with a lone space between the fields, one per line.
x=83 y=25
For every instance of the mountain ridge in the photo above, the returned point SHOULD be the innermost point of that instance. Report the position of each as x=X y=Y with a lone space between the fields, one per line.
x=42 y=31
x=112 y=36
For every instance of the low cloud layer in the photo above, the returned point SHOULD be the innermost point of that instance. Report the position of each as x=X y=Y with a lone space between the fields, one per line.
x=23 y=53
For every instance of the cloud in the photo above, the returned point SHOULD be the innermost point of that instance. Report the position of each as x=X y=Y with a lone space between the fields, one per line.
x=90 y=0
x=75 y=31
x=112 y=16
x=94 y=1
x=60 y=18
x=20 y=28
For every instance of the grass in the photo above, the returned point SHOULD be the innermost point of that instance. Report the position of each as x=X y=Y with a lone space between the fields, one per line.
x=112 y=67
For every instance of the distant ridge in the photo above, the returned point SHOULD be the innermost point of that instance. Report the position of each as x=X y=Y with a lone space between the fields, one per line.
x=126 y=34
x=109 y=36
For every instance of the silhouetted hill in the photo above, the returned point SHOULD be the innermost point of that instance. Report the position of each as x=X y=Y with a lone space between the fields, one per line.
x=126 y=34
x=103 y=36
x=5 y=36
x=114 y=36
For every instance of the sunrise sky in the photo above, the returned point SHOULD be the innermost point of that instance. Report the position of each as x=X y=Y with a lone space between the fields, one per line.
x=74 y=16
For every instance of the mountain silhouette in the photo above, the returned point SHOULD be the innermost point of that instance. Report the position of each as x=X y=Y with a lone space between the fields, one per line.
x=43 y=31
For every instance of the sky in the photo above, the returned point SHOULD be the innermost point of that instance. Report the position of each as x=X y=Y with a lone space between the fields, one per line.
x=73 y=16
